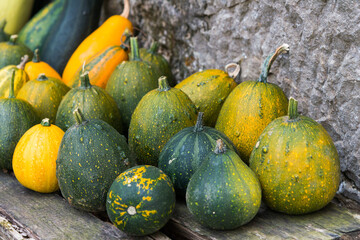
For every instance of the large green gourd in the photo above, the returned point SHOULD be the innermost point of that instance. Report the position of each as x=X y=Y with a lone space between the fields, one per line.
x=183 y=154
x=160 y=114
x=223 y=193
x=11 y=52
x=297 y=164
x=91 y=155
x=3 y=36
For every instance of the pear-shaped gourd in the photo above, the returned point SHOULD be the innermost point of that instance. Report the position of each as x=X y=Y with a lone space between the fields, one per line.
x=11 y=52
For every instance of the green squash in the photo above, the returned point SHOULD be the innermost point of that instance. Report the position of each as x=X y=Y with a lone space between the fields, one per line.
x=45 y=95
x=223 y=193
x=130 y=81
x=297 y=164
x=91 y=155
x=250 y=107
x=141 y=200
x=4 y=37
x=93 y=101
x=160 y=114
x=11 y=52
x=16 y=117
x=183 y=154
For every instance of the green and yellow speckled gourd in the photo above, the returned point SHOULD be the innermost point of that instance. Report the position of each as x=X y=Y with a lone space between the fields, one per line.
x=141 y=200
x=45 y=95
x=224 y=192
x=93 y=101
x=297 y=164
x=16 y=117
x=3 y=36
x=11 y=52
x=160 y=114
x=208 y=90
x=183 y=154
x=91 y=155
x=130 y=81
x=250 y=107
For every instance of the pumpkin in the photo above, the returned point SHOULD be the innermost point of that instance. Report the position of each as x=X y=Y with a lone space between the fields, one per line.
x=91 y=155
x=16 y=117
x=224 y=192
x=160 y=114
x=20 y=79
x=130 y=81
x=44 y=94
x=34 y=161
x=3 y=36
x=141 y=200
x=110 y=33
x=36 y=67
x=12 y=52
x=208 y=90
x=250 y=107
x=16 y=13
x=297 y=164
x=93 y=101
x=183 y=154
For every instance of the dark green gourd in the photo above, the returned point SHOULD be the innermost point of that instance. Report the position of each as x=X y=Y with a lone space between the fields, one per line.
x=3 y=36
x=183 y=154
x=93 y=101
x=224 y=192
x=91 y=155
x=11 y=52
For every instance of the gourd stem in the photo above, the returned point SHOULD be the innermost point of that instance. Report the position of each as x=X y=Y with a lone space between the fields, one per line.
x=236 y=72
x=45 y=122
x=42 y=77
x=134 y=55
x=79 y=118
x=292 y=109
x=269 y=61
x=13 y=39
x=163 y=84
x=220 y=147
x=85 y=81
x=154 y=47
x=125 y=44
x=12 y=82
x=24 y=59
x=199 y=126
x=2 y=24
x=36 y=58
x=126 y=10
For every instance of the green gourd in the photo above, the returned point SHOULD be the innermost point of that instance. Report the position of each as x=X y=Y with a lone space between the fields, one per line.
x=4 y=37
x=11 y=52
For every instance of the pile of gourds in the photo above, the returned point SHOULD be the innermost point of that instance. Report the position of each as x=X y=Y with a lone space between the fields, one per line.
x=223 y=147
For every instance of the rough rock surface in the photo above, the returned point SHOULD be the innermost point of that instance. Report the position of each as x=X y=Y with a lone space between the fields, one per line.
x=321 y=71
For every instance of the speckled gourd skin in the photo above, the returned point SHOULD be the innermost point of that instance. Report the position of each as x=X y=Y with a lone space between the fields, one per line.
x=91 y=155
x=297 y=165
x=159 y=115
x=141 y=200
x=45 y=95
x=208 y=90
x=20 y=79
x=224 y=192
x=11 y=53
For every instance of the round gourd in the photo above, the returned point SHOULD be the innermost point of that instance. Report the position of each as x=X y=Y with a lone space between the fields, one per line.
x=141 y=200
x=45 y=95
x=183 y=154
x=16 y=117
x=130 y=81
x=160 y=114
x=36 y=67
x=250 y=107
x=3 y=36
x=11 y=52
x=34 y=161
x=223 y=193
x=91 y=155
x=93 y=101
x=208 y=90
x=297 y=164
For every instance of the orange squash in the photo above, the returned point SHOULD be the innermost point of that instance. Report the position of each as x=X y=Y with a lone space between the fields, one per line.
x=108 y=34
x=34 y=160
x=36 y=67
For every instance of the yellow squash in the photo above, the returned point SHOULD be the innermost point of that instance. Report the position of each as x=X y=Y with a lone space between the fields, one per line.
x=36 y=67
x=16 y=13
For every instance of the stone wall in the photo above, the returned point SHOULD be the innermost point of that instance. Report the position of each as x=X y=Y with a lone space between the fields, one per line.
x=321 y=71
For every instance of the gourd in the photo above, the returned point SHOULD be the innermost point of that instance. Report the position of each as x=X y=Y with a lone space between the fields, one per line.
x=224 y=192
x=110 y=33
x=130 y=81
x=91 y=155
x=183 y=154
x=3 y=36
x=11 y=52
x=160 y=114
x=36 y=30
x=16 y=117
x=34 y=161
x=20 y=78
x=16 y=13
x=44 y=94
x=93 y=101
x=36 y=67
x=141 y=200
x=209 y=89
x=250 y=107
x=297 y=164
